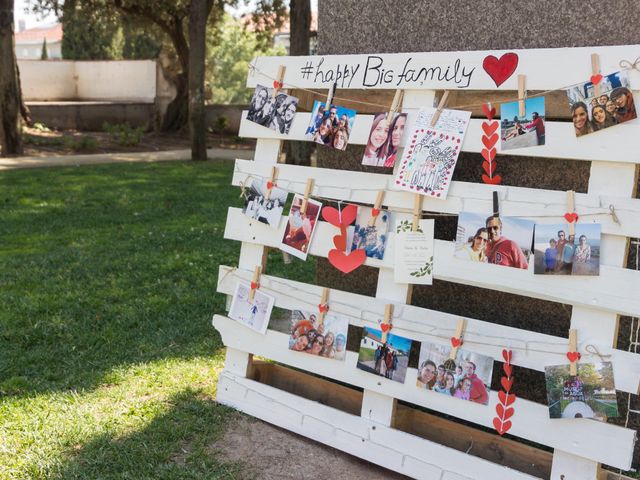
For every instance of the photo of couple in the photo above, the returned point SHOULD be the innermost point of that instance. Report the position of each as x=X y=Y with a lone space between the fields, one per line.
x=300 y=227
x=259 y=208
x=327 y=340
x=253 y=314
x=384 y=140
x=468 y=377
x=331 y=127
x=371 y=238
x=614 y=105
x=559 y=253
x=387 y=359
x=498 y=240
x=525 y=131
x=272 y=112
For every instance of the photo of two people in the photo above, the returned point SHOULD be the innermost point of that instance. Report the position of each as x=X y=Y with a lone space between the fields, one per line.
x=388 y=358
x=384 y=140
x=276 y=113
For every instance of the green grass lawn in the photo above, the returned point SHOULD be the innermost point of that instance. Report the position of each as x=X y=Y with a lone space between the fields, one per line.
x=108 y=360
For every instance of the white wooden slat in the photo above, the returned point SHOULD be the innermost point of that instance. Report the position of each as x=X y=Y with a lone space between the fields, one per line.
x=566 y=466
x=617 y=144
x=543 y=206
x=614 y=290
x=355 y=435
x=600 y=441
x=267 y=150
x=569 y=66
x=531 y=349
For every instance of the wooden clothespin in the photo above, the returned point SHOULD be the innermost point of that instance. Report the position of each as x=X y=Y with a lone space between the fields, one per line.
x=386 y=323
x=330 y=94
x=595 y=72
x=571 y=216
x=395 y=104
x=255 y=283
x=278 y=83
x=417 y=212
x=456 y=340
x=323 y=306
x=375 y=211
x=271 y=182
x=573 y=355
x=441 y=105
x=307 y=193
x=522 y=110
x=496 y=204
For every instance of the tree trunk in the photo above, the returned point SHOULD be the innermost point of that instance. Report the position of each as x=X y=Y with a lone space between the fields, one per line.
x=197 y=47
x=299 y=153
x=25 y=113
x=177 y=113
x=10 y=138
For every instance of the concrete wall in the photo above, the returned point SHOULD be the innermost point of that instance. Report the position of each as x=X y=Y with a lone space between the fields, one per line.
x=232 y=113
x=33 y=51
x=90 y=116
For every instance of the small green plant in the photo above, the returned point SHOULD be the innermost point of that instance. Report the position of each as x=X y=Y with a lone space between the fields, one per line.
x=81 y=144
x=219 y=126
x=42 y=141
x=123 y=133
x=41 y=127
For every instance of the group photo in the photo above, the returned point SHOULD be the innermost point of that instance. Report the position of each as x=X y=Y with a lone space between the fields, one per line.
x=388 y=358
x=272 y=112
x=371 y=238
x=327 y=339
x=259 y=207
x=558 y=252
x=330 y=126
x=384 y=140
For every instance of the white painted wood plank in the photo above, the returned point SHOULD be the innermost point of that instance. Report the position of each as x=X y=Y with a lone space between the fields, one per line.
x=237 y=361
x=531 y=349
x=569 y=66
x=614 y=290
x=267 y=150
x=618 y=144
x=543 y=206
x=353 y=434
x=600 y=441
x=566 y=466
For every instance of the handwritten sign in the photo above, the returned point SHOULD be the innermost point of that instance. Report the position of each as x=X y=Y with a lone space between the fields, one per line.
x=414 y=253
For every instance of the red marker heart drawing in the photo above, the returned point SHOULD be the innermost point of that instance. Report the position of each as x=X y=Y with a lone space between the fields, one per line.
x=456 y=342
x=334 y=217
x=500 y=69
x=491 y=181
x=573 y=356
x=571 y=217
x=346 y=263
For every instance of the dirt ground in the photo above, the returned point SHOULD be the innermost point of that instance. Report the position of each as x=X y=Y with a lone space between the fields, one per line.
x=276 y=455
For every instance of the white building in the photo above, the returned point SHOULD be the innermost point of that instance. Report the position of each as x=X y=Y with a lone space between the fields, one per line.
x=29 y=42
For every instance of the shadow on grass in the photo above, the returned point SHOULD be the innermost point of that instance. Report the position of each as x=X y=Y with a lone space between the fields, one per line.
x=176 y=445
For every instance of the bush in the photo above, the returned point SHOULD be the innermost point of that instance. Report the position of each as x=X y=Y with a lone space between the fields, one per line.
x=81 y=144
x=124 y=134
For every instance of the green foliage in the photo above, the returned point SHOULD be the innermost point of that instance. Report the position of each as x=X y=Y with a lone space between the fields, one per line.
x=220 y=125
x=90 y=34
x=45 y=51
x=229 y=53
x=123 y=133
x=85 y=143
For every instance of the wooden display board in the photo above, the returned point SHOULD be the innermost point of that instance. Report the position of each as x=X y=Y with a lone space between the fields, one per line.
x=368 y=422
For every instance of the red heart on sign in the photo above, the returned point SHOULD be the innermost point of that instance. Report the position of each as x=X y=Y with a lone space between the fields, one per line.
x=375 y=212
x=254 y=285
x=346 y=263
x=501 y=427
x=456 y=342
x=333 y=216
x=489 y=113
x=596 y=79
x=492 y=181
x=489 y=167
x=508 y=369
x=277 y=84
x=571 y=217
x=489 y=142
x=573 y=356
x=500 y=69
x=506 y=398
x=323 y=308
x=489 y=155
x=506 y=383
x=503 y=413
x=489 y=127
x=340 y=241
x=507 y=355
x=385 y=327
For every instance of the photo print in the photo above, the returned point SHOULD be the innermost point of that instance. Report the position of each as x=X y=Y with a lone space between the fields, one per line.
x=274 y=113
x=328 y=340
x=371 y=239
x=499 y=240
x=254 y=315
x=525 y=131
x=556 y=252
x=389 y=359
x=300 y=227
x=331 y=127
x=468 y=377
x=259 y=208
x=613 y=106
x=384 y=140
x=589 y=394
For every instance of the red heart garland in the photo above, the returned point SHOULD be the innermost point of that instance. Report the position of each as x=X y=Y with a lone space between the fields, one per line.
x=501 y=423
x=254 y=285
x=490 y=113
x=500 y=426
x=489 y=167
x=270 y=185
x=571 y=217
x=346 y=263
x=385 y=327
x=323 y=308
x=492 y=181
x=375 y=212
x=506 y=383
x=333 y=216
x=506 y=398
x=504 y=413
x=489 y=128
x=596 y=79
x=340 y=241
x=500 y=69
x=508 y=369
x=489 y=142
x=573 y=356
x=489 y=155
x=456 y=342
x=278 y=85
x=507 y=355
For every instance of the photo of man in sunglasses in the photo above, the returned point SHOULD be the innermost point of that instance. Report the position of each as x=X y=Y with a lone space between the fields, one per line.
x=501 y=250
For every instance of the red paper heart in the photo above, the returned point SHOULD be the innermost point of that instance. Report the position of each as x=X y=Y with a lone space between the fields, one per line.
x=456 y=342
x=489 y=167
x=333 y=216
x=571 y=217
x=375 y=212
x=596 y=79
x=254 y=285
x=489 y=142
x=489 y=155
x=277 y=84
x=506 y=383
x=489 y=113
x=492 y=181
x=501 y=427
x=500 y=69
x=507 y=355
x=385 y=327
x=508 y=369
x=340 y=241
x=489 y=128
x=346 y=263
x=506 y=398
x=573 y=356
x=504 y=413
x=270 y=185
x=323 y=308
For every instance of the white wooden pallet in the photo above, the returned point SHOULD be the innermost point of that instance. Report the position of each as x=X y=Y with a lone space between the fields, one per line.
x=579 y=445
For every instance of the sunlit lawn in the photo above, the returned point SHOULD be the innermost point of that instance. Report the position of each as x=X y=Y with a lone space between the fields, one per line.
x=108 y=361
